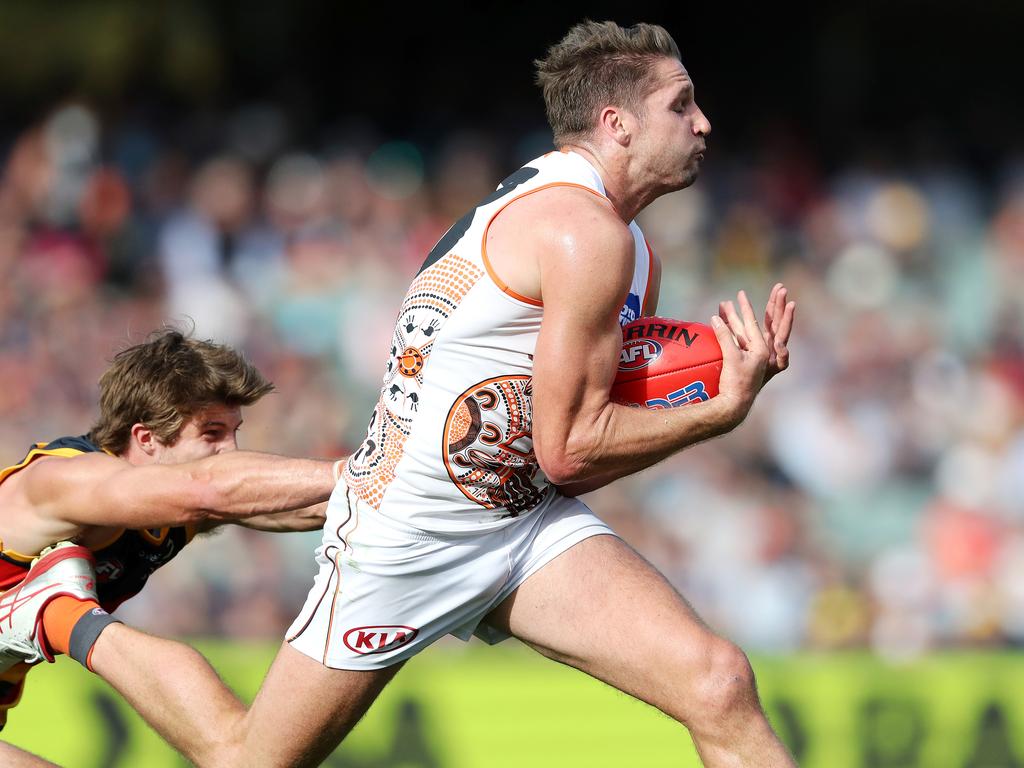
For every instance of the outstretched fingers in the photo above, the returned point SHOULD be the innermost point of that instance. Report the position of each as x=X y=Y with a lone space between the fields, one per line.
x=773 y=311
x=743 y=323
x=727 y=311
x=756 y=341
x=779 y=315
x=726 y=338
x=745 y=353
x=781 y=339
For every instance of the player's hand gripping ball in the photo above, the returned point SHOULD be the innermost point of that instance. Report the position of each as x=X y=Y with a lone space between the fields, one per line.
x=665 y=363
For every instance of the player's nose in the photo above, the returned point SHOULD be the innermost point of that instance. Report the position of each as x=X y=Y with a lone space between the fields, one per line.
x=701 y=124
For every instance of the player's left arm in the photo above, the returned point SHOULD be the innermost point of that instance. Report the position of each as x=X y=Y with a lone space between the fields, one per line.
x=650 y=308
x=101 y=490
x=293 y=520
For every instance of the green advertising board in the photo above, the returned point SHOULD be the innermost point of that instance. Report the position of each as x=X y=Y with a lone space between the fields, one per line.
x=505 y=708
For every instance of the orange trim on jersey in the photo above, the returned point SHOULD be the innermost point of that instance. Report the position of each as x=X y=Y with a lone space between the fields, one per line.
x=148 y=536
x=38 y=452
x=502 y=285
x=650 y=276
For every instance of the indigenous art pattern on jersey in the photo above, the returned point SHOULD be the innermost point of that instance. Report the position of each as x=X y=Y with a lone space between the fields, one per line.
x=449 y=445
x=491 y=464
x=431 y=299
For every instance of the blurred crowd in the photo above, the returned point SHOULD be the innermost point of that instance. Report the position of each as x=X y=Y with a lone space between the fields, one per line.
x=874 y=497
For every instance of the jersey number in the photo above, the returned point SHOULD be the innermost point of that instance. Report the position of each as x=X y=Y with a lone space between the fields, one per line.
x=461 y=227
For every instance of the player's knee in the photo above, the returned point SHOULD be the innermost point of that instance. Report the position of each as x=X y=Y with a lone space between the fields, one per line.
x=724 y=688
x=226 y=751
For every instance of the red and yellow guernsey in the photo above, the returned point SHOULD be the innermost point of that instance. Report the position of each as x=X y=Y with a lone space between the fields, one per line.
x=124 y=563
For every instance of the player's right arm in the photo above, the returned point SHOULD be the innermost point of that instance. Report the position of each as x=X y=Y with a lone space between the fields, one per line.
x=97 y=489
x=583 y=440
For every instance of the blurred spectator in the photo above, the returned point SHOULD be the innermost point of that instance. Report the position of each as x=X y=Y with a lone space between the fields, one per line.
x=873 y=498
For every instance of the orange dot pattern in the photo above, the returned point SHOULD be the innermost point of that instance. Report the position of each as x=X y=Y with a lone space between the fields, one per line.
x=438 y=291
x=443 y=286
x=461 y=421
x=497 y=467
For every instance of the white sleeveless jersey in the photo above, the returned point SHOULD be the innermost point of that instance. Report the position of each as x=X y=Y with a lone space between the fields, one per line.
x=449 y=447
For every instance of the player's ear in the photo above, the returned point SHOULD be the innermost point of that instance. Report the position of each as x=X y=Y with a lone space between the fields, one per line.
x=614 y=123
x=144 y=439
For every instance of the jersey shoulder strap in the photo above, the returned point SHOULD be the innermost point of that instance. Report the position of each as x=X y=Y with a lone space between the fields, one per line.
x=62 y=446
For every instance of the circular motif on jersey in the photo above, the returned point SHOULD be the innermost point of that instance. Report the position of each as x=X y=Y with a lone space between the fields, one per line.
x=410 y=362
x=489 y=444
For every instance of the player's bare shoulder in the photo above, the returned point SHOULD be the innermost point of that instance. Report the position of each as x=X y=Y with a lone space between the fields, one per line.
x=50 y=477
x=557 y=212
x=556 y=225
x=34 y=498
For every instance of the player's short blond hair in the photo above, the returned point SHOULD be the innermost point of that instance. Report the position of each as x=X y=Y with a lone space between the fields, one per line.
x=597 y=64
x=163 y=381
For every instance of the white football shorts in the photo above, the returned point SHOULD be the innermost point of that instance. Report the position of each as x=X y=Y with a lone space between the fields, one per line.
x=386 y=590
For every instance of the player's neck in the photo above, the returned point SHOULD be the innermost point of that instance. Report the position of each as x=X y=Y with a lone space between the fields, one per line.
x=628 y=202
x=135 y=456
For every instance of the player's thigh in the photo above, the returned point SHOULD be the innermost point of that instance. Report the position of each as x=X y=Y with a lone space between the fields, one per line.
x=603 y=609
x=304 y=710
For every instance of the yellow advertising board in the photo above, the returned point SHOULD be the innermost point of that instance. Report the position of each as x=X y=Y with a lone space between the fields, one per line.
x=505 y=707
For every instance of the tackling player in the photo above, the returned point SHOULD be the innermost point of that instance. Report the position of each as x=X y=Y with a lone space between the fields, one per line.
x=159 y=467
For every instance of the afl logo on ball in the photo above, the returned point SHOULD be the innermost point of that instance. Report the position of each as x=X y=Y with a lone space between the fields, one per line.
x=638 y=353
x=379 y=639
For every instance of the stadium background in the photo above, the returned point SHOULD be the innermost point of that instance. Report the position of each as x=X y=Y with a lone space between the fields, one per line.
x=277 y=172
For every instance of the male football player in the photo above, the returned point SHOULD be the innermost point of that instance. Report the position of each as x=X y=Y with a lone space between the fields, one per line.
x=159 y=467
x=458 y=513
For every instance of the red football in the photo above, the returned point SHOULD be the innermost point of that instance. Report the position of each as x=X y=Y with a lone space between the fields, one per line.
x=665 y=363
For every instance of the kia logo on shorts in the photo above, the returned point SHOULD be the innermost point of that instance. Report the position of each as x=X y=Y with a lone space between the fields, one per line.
x=379 y=639
x=638 y=353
